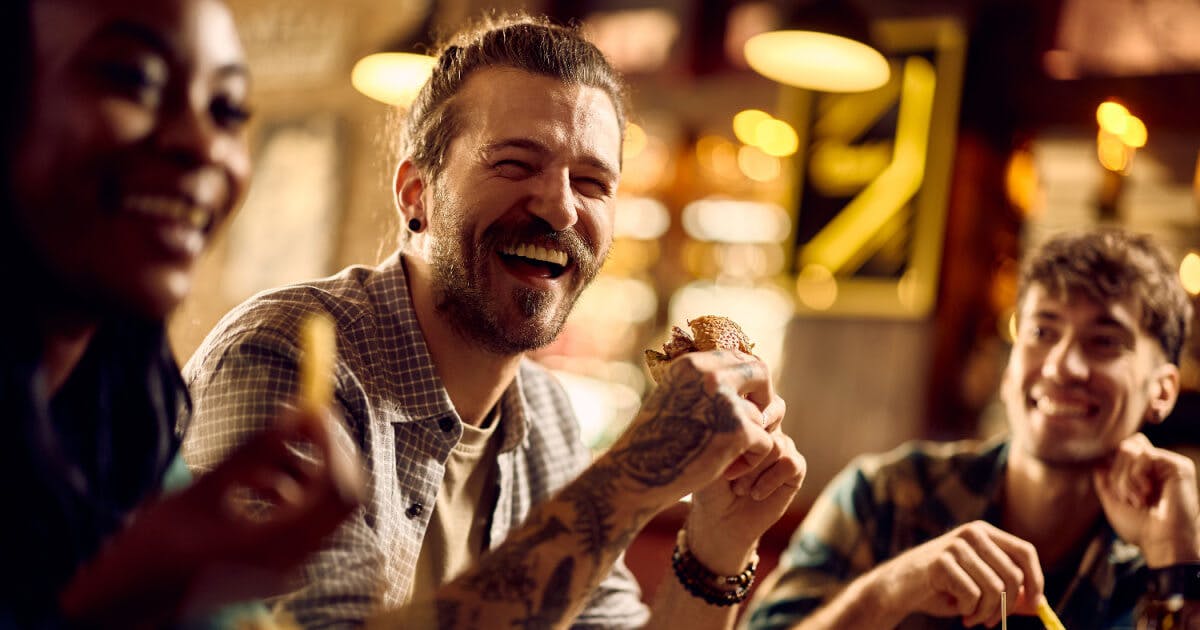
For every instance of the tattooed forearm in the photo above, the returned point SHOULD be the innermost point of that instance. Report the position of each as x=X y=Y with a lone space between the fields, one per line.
x=591 y=495
x=687 y=432
x=683 y=420
x=555 y=599
x=506 y=574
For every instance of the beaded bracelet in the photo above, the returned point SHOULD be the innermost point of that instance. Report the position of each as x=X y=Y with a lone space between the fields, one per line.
x=718 y=590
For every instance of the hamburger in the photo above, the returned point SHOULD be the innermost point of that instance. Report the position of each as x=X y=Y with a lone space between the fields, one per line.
x=709 y=332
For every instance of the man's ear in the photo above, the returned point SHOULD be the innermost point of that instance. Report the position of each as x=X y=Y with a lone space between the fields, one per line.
x=406 y=192
x=1164 y=391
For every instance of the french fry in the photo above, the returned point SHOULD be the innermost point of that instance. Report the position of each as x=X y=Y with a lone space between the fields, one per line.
x=318 y=351
x=1049 y=619
x=1003 y=610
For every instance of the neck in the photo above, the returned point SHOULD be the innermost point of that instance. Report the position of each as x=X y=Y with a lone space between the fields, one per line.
x=474 y=378
x=1051 y=507
x=65 y=339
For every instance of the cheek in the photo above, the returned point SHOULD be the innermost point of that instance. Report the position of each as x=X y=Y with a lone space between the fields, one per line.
x=597 y=226
x=1010 y=384
x=236 y=162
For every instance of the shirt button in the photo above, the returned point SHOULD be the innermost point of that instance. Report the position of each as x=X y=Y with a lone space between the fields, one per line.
x=415 y=510
x=446 y=424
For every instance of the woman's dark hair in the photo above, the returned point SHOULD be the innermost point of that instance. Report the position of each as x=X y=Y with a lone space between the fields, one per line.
x=72 y=466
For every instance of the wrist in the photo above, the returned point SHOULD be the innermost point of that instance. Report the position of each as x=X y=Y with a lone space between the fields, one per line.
x=885 y=590
x=699 y=580
x=718 y=549
x=1170 y=553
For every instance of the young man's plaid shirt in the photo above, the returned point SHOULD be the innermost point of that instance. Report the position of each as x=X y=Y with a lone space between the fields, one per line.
x=883 y=505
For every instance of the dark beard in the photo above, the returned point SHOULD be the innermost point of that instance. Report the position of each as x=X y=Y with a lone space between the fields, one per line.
x=466 y=306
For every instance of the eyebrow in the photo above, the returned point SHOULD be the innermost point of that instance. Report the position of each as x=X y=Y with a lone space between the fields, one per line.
x=1044 y=314
x=126 y=29
x=1103 y=321
x=537 y=147
x=1111 y=322
x=129 y=30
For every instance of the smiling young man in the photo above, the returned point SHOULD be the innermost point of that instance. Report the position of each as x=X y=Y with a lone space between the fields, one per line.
x=507 y=189
x=1074 y=505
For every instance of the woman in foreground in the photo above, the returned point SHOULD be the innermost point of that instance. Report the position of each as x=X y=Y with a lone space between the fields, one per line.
x=123 y=151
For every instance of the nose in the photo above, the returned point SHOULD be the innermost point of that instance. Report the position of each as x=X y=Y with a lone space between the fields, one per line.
x=1065 y=362
x=554 y=200
x=188 y=134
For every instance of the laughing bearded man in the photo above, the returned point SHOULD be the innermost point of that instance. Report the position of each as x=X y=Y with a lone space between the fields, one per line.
x=507 y=190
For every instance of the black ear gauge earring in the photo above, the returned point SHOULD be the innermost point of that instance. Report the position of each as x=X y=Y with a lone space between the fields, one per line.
x=415 y=225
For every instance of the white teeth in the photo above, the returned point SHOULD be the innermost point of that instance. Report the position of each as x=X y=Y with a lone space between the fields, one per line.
x=534 y=252
x=170 y=208
x=1061 y=407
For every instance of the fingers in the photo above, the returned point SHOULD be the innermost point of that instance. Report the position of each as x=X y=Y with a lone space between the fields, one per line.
x=773 y=414
x=991 y=570
x=755 y=383
x=1033 y=581
x=951 y=580
x=783 y=469
x=1137 y=472
x=307 y=483
x=760 y=446
x=976 y=563
x=342 y=470
x=744 y=373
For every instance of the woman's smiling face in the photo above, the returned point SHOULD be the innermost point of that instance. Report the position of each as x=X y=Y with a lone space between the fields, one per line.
x=134 y=147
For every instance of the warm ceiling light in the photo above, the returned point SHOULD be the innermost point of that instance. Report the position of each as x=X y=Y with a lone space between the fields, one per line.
x=1189 y=273
x=757 y=165
x=817 y=61
x=1114 y=154
x=776 y=138
x=393 y=78
x=635 y=141
x=745 y=124
x=1113 y=117
x=1135 y=133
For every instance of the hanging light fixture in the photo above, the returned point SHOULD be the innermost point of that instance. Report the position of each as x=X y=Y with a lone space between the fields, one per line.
x=827 y=51
x=392 y=77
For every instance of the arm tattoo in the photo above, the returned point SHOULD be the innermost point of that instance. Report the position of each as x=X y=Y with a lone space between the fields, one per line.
x=555 y=599
x=680 y=428
x=591 y=496
x=505 y=574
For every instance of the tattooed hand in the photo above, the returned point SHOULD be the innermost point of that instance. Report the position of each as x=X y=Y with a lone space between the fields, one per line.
x=706 y=417
x=704 y=423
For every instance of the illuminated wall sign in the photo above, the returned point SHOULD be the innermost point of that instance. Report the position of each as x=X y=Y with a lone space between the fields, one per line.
x=870 y=182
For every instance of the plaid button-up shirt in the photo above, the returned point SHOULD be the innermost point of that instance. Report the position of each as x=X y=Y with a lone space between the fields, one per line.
x=883 y=505
x=401 y=419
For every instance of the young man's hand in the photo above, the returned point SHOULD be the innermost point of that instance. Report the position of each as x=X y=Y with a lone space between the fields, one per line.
x=961 y=574
x=1150 y=498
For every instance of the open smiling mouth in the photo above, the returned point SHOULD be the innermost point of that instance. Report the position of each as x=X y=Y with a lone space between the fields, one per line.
x=1064 y=408
x=170 y=208
x=539 y=261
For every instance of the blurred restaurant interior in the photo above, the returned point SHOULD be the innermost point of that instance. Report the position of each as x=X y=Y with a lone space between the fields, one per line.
x=867 y=238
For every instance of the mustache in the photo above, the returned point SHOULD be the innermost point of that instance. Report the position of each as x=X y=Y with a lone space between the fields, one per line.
x=580 y=250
